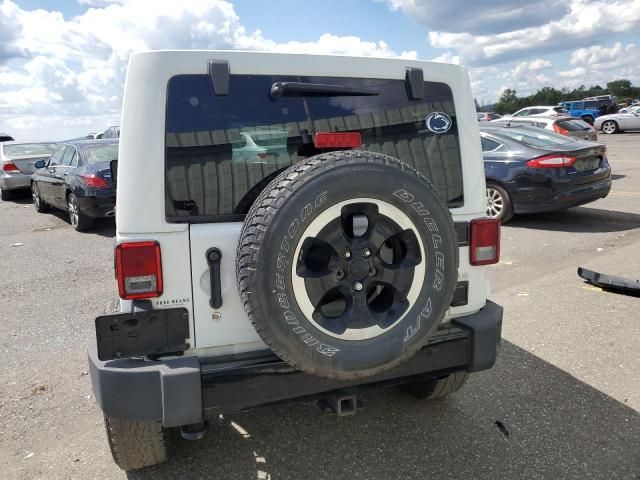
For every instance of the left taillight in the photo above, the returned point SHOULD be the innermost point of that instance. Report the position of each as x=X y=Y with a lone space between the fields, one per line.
x=558 y=129
x=9 y=166
x=552 y=161
x=138 y=270
x=484 y=241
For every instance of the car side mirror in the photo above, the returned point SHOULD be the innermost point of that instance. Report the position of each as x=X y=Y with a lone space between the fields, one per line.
x=40 y=164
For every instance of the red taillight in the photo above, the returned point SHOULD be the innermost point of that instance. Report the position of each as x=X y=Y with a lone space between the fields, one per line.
x=337 y=140
x=552 y=161
x=95 y=181
x=139 y=270
x=558 y=129
x=484 y=241
x=9 y=166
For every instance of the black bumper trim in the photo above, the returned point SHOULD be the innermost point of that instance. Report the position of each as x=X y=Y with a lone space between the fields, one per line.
x=485 y=328
x=185 y=390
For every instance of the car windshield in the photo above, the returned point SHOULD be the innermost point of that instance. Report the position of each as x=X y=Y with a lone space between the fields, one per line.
x=534 y=137
x=29 y=149
x=576 y=125
x=100 y=153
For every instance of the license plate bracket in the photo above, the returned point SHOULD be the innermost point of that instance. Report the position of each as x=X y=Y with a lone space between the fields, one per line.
x=149 y=333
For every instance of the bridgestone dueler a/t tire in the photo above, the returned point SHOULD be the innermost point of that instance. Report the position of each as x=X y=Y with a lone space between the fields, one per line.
x=437 y=387
x=137 y=444
x=274 y=228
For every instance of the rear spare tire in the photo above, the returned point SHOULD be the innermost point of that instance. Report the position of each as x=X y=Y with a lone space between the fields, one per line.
x=346 y=263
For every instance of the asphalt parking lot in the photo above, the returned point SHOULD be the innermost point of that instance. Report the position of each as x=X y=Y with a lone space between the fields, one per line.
x=565 y=390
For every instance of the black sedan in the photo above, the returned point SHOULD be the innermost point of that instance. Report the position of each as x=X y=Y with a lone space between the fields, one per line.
x=530 y=170
x=77 y=178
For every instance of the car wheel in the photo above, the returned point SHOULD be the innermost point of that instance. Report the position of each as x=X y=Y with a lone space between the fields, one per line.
x=38 y=203
x=137 y=444
x=436 y=387
x=609 y=127
x=6 y=194
x=588 y=119
x=79 y=221
x=345 y=286
x=498 y=203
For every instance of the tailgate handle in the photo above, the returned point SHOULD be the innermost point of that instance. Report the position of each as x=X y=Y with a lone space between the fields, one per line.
x=213 y=260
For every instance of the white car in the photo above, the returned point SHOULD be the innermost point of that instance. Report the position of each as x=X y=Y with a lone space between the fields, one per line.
x=630 y=109
x=542 y=111
x=356 y=256
x=618 y=122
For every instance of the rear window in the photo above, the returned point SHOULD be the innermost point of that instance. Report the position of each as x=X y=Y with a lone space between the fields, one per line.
x=100 y=153
x=534 y=137
x=574 y=125
x=591 y=105
x=221 y=151
x=560 y=110
x=29 y=149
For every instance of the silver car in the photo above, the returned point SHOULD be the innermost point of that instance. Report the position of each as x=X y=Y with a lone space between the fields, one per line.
x=17 y=162
x=568 y=126
x=619 y=122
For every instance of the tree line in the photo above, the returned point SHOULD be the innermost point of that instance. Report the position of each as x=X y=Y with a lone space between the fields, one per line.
x=510 y=101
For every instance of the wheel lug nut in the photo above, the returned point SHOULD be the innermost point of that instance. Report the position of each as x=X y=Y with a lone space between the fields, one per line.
x=357 y=286
x=347 y=254
x=340 y=274
x=366 y=252
x=372 y=271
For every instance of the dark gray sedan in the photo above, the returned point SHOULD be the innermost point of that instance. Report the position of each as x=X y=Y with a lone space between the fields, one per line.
x=77 y=178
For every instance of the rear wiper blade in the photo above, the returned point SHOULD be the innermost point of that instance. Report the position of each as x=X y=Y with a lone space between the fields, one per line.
x=297 y=89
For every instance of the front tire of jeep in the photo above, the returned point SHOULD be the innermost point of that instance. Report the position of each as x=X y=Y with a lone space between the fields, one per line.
x=136 y=444
x=347 y=263
x=436 y=387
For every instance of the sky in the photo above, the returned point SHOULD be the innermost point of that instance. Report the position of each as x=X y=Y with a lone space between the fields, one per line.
x=63 y=62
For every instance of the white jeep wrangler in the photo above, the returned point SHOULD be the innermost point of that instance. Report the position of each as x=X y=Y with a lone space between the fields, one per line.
x=290 y=226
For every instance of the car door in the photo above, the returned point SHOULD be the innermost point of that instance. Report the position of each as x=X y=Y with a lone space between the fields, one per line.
x=632 y=120
x=58 y=183
x=45 y=176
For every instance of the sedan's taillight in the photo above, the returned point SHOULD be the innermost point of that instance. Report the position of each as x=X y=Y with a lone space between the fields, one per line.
x=9 y=166
x=558 y=129
x=552 y=161
x=95 y=181
x=484 y=241
x=139 y=270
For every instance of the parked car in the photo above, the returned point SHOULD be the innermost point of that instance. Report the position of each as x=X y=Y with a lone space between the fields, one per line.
x=587 y=110
x=17 y=161
x=529 y=170
x=111 y=132
x=488 y=116
x=571 y=127
x=544 y=111
x=331 y=266
x=619 y=122
x=77 y=178
x=631 y=109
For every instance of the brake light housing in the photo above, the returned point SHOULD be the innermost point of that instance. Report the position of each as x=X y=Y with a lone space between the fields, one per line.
x=552 y=161
x=95 y=181
x=138 y=270
x=484 y=241
x=9 y=166
x=558 y=129
x=337 y=140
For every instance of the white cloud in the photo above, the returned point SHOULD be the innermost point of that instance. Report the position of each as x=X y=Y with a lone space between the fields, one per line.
x=586 y=21
x=447 y=57
x=598 y=55
x=61 y=76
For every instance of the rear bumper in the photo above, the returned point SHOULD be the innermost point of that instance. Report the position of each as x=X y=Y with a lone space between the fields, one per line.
x=561 y=199
x=16 y=181
x=186 y=390
x=97 y=207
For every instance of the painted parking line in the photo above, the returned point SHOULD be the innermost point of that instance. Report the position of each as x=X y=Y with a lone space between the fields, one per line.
x=624 y=194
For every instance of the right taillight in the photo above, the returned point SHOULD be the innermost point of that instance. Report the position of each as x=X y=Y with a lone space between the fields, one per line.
x=558 y=129
x=9 y=166
x=552 y=161
x=139 y=270
x=484 y=241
